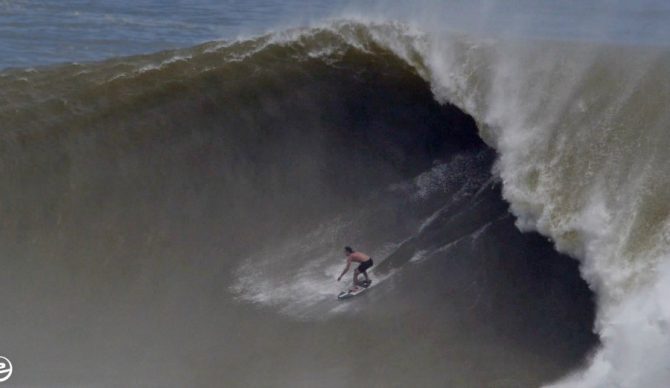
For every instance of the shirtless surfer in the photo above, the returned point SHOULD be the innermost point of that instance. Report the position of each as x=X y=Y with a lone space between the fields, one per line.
x=359 y=257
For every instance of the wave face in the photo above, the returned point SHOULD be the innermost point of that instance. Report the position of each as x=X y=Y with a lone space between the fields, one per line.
x=179 y=216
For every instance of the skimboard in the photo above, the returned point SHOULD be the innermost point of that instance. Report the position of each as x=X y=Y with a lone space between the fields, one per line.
x=350 y=293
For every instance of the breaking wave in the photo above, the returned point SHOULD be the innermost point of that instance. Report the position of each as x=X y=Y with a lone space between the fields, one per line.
x=184 y=189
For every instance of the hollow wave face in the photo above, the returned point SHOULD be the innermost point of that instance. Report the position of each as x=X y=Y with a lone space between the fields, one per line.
x=582 y=134
x=196 y=202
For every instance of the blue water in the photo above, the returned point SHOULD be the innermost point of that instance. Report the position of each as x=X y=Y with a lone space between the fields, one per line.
x=34 y=32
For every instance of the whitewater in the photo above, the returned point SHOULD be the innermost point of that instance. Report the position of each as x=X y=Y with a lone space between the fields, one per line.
x=583 y=136
x=177 y=217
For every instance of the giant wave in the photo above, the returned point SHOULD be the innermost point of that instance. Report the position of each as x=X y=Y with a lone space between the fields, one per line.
x=171 y=195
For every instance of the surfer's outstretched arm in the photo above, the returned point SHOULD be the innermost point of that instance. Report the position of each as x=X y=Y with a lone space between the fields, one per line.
x=345 y=270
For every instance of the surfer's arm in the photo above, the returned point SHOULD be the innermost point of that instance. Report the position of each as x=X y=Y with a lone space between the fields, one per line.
x=345 y=270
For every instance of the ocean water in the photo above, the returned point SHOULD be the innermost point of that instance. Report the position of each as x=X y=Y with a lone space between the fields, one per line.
x=178 y=180
x=35 y=32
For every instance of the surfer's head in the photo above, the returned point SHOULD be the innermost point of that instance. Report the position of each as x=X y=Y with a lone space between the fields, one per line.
x=348 y=250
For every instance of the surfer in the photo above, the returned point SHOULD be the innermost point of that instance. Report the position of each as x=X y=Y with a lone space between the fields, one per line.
x=359 y=257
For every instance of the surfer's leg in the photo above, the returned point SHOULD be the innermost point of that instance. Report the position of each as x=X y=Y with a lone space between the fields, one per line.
x=356 y=272
x=365 y=273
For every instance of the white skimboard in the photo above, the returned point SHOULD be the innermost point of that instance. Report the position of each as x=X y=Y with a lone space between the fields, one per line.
x=350 y=293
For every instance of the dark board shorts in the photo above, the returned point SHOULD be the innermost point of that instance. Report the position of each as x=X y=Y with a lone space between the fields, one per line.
x=365 y=265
